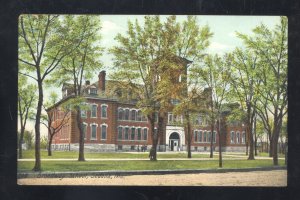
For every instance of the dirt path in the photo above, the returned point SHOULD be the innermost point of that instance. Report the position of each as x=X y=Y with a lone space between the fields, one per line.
x=258 y=178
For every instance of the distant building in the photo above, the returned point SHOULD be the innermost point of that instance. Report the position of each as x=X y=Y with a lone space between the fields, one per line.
x=115 y=123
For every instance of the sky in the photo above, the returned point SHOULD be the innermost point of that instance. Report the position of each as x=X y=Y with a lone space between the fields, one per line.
x=222 y=27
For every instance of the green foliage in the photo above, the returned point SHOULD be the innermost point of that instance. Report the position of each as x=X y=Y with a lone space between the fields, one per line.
x=44 y=142
x=28 y=139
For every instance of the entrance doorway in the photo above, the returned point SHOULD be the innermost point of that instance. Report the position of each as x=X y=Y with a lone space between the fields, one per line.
x=174 y=141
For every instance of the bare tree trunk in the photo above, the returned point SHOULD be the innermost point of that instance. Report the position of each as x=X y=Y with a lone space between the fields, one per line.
x=211 y=141
x=220 y=145
x=255 y=138
x=81 y=135
x=49 y=146
x=188 y=131
x=153 y=150
x=271 y=146
x=37 y=165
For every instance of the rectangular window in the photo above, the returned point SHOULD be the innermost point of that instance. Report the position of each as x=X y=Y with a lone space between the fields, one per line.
x=120 y=130
x=200 y=136
x=126 y=114
x=126 y=134
x=139 y=116
x=195 y=135
x=132 y=147
x=120 y=147
x=238 y=137
x=133 y=115
x=104 y=111
x=94 y=111
x=243 y=137
x=132 y=134
x=145 y=134
x=209 y=136
x=103 y=132
x=204 y=137
x=139 y=134
x=94 y=132
x=232 y=137
x=83 y=113
x=120 y=114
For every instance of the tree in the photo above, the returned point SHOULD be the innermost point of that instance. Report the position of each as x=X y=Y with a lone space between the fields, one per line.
x=26 y=100
x=80 y=64
x=143 y=54
x=28 y=139
x=245 y=81
x=271 y=48
x=54 y=125
x=214 y=75
x=44 y=41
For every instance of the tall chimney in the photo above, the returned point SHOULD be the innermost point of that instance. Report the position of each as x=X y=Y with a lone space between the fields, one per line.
x=101 y=81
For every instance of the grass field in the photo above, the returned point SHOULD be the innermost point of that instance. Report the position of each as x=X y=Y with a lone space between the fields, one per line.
x=72 y=154
x=142 y=165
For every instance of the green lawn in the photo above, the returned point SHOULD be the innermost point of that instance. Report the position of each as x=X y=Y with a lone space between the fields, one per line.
x=142 y=165
x=73 y=154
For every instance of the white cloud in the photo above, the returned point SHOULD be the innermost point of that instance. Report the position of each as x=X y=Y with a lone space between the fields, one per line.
x=109 y=27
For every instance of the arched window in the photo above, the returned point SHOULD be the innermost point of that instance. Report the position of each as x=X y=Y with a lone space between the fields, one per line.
x=243 y=137
x=104 y=111
x=139 y=134
x=126 y=115
x=238 y=138
x=232 y=136
x=200 y=136
x=94 y=111
x=214 y=137
x=126 y=134
x=93 y=131
x=120 y=131
x=195 y=136
x=145 y=134
x=103 y=131
x=133 y=115
x=139 y=116
x=209 y=136
x=120 y=114
x=132 y=135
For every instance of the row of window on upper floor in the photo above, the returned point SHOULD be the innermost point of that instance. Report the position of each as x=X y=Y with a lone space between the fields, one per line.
x=131 y=115
x=94 y=111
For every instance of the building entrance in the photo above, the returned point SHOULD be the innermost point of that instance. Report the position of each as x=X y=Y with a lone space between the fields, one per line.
x=174 y=142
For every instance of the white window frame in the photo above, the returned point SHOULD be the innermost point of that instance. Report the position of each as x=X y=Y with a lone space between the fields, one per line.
x=105 y=105
x=143 y=136
x=238 y=137
x=243 y=137
x=232 y=136
x=126 y=109
x=121 y=133
x=92 y=106
x=124 y=133
x=106 y=127
x=123 y=116
x=91 y=125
